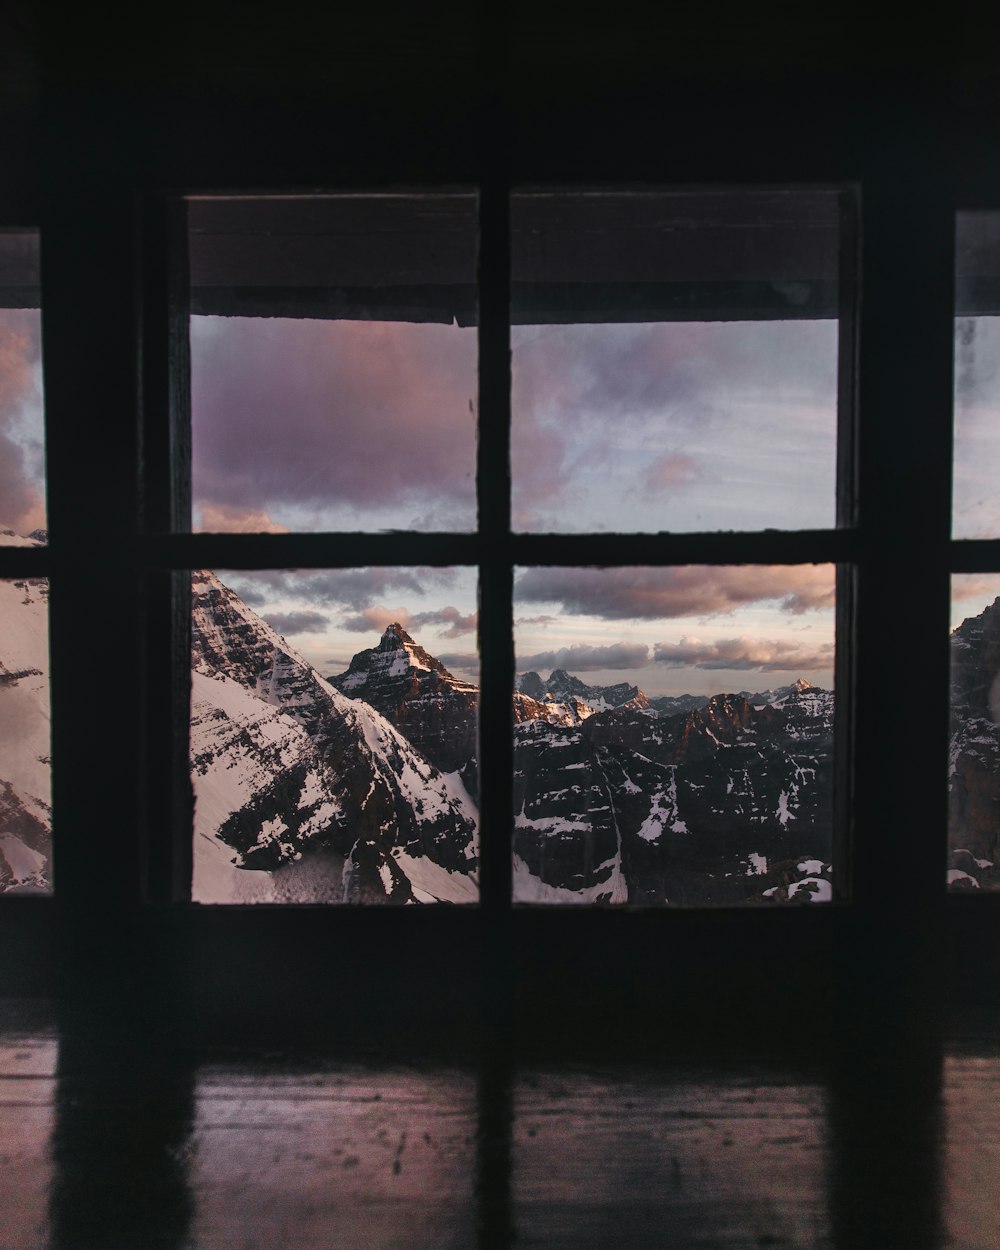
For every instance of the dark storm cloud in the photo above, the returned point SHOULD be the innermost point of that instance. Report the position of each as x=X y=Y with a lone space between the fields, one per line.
x=768 y=656
x=317 y=413
x=351 y=590
x=685 y=590
x=287 y=623
x=583 y=657
x=21 y=503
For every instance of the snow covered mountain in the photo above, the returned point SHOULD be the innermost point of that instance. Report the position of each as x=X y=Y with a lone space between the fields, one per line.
x=25 y=779
x=303 y=794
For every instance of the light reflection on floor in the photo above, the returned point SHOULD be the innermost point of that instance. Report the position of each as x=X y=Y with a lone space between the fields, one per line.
x=348 y=1157
x=971 y=1199
x=641 y=1159
x=28 y=1056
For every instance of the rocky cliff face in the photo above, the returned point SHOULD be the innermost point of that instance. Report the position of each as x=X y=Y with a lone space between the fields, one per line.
x=974 y=787
x=726 y=803
x=302 y=793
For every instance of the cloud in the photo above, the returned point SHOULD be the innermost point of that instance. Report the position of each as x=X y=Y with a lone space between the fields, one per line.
x=546 y=618
x=466 y=660
x=350 y=590
x=297 y=622
x=226 y=519
x=583 y=657
x=376 y=619
x=21 y=422
x=681 y=590
x=670 y=471
x=458 y=624
x=319 y=415
x=594 y=403
x=768 y=656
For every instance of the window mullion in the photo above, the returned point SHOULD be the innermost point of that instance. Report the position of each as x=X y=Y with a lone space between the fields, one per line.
x=496 y=578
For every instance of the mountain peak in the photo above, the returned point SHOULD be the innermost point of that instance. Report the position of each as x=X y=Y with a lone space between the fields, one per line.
x=395 y=636
x=801 y=685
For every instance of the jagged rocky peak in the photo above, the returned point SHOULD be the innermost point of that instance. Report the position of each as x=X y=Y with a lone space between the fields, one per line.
x=531 y=684
x=386 y=672
x=566 y=688
x=435 y=710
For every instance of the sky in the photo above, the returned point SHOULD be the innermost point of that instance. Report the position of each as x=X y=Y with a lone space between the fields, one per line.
x=684 y=425
x=697 y=630
x=976 y=498
x=971 y=593
x=305 y=424
x=22 y=456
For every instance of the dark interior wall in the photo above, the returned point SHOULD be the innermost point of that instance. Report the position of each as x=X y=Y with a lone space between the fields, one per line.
x=101 y=110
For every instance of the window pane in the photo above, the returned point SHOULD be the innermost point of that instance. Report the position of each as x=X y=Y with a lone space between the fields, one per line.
x=675 y=360
x=974 y=773
x=333 y=758
x=976 y=499
x=333 y=362
x=673 y=738
x=22 y=423
x=25 y=742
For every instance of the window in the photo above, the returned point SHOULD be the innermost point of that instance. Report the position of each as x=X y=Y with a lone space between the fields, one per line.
x=676 y=372
x=25 y=782
x=974 y=761
x=120 y=559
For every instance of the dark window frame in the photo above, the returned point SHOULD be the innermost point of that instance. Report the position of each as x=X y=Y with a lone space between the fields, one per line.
x=493 y=548
x=103 y=249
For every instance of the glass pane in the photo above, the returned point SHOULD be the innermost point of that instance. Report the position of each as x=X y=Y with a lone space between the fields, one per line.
x=22 y=421
x=675 y=360
x=333 y=757
x=673 y=737
x=976 y=498
x=333 y=362
x=25 y=741
x=974 y=771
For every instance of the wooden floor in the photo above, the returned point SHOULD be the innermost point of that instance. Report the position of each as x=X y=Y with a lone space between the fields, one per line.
x=135 y=1145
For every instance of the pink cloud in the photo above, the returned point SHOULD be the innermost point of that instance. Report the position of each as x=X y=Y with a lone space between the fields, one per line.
x=682 y=590
x=672 y=470
x=769 y=656
x=230 y=519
